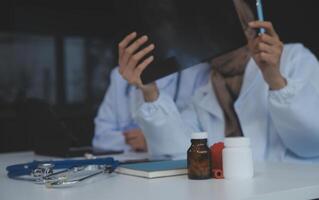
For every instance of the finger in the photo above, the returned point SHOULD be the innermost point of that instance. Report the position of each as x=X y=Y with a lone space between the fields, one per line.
x=138 y=56
x=131 y=137
x=129 y=51
x=263 y=47
x=133 y=143
x=263 y=24
x=125 y=42
x=265 y=57
x=130 y=140
x=138 y=146
x=268 y=39
x=140 y=68
x=255 y=46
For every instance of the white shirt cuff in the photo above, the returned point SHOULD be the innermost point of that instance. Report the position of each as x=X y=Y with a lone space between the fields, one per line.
x=286 y=94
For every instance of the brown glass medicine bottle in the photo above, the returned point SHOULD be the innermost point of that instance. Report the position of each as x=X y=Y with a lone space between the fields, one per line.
x=198 y=157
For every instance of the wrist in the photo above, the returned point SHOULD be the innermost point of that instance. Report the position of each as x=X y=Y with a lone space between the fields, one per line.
x=274 y=78
x=150 y=92
x=277 y=82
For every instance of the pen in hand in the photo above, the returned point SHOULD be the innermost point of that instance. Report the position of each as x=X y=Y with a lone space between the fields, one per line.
x=260 y=15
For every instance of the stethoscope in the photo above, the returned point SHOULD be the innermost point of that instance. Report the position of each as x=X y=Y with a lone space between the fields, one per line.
x=61 y=173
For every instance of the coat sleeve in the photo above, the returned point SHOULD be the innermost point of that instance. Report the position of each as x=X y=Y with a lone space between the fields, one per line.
x=166 y=130
x=108 y=130
x=294 y=109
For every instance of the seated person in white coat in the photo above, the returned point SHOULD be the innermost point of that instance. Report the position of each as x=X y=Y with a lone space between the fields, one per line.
x=115 y=129
x=265 y=90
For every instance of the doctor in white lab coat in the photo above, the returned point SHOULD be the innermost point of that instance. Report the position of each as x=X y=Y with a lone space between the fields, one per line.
x=114 y=124
x=276 y=105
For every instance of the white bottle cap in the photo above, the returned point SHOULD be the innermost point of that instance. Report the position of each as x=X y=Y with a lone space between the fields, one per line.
x=199 y=136
x=237 y=142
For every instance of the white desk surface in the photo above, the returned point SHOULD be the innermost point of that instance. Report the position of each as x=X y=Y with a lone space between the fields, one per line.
x=272 y=181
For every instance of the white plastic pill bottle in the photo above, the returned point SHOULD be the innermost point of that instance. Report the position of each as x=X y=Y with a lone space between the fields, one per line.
x=237 y=158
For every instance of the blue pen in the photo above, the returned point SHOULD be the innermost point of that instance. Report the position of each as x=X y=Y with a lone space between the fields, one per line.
x=260 y=15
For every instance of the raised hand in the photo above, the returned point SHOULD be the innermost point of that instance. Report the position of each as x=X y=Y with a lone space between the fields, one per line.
x=133 y=62
x=266 y=50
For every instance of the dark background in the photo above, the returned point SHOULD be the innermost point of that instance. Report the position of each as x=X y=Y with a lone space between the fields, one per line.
x=61 y=53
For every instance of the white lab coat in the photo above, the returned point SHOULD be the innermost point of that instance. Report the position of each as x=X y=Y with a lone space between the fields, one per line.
x=283 y=125
x=115 y=112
